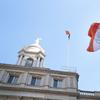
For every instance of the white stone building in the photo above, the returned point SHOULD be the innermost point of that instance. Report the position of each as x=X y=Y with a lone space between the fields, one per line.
x=30 y=80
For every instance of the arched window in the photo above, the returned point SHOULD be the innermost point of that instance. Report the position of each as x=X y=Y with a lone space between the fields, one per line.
x=29 y=62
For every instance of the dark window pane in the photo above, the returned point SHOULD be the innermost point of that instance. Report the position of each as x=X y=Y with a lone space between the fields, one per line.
x=33 y=80
x=10 y=79
x=55 y=83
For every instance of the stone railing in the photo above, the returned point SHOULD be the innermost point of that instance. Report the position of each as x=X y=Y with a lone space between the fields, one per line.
x=88 y=93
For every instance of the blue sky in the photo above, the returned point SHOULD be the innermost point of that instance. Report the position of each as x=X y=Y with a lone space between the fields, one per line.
x=22 y=21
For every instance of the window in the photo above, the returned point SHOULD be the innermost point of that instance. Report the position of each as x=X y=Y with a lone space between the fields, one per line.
x=35 y=81
x=12 y=79
x=29 y=62
x=57 y=83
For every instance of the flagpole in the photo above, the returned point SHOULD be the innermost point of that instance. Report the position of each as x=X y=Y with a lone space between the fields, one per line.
x=68 y=53
x=68 y=47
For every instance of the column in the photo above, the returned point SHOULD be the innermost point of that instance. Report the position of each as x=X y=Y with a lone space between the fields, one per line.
x=68 y=82
x=75 y=83
x=1 y=74
x=41 y=62
x=65 y=83
x=38 y=61
x=34 y=63
x=18 y=60
x=24 y=77
x=5 y=76
x=21 y=59
x=47 y=81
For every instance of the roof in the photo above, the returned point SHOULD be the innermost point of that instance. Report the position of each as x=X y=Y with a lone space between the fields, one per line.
x=33 y=48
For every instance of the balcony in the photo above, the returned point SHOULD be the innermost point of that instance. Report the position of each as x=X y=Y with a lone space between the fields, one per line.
x=87 y=93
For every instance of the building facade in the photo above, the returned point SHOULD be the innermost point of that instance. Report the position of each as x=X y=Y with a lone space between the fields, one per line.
x=28 y=79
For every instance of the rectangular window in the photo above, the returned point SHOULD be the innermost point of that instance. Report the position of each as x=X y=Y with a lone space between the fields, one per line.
x=35 y=81
x=12 y=79
x=57 y=83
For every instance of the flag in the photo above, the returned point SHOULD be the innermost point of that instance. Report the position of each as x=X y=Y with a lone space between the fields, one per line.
x=68 y=34
x=94 y=34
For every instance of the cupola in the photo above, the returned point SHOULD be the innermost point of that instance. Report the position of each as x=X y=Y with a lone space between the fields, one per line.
x=31 y=55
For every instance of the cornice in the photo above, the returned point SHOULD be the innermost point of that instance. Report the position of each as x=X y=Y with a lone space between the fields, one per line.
x=37 y=89
x=37 y=69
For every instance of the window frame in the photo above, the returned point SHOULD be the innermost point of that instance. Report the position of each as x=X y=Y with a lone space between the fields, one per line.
x=13 y=79
x=57 y=83
x=35 y=81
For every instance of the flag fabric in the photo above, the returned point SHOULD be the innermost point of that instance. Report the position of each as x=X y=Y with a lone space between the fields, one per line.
x=68 y=34
x=94 y=34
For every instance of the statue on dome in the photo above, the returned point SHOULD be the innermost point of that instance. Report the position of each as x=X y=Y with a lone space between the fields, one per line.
x=37 y=41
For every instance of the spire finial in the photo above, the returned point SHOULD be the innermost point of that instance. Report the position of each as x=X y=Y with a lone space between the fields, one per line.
x=38 y=41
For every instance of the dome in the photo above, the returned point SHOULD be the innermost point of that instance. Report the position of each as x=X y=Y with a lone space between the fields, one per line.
x=34 y=48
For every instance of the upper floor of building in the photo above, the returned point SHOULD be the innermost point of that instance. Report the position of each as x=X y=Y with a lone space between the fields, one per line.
x=38 y=77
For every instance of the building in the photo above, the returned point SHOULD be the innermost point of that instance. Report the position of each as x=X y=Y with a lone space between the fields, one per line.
x=30 y=80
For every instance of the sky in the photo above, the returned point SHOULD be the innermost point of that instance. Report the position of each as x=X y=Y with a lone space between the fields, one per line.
x=22 y=21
